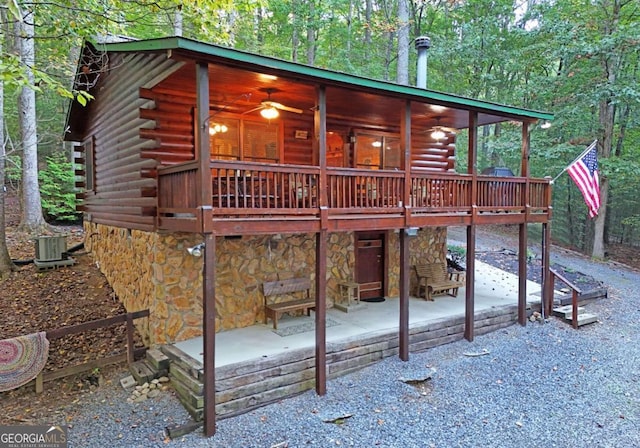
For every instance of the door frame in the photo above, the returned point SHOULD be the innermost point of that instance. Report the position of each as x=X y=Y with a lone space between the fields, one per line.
x=367 y=235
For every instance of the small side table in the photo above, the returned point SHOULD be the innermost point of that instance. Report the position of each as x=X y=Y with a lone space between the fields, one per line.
x=349 y=295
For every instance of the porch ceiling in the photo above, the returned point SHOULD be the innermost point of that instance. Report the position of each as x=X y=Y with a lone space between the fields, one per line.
x=238 y=90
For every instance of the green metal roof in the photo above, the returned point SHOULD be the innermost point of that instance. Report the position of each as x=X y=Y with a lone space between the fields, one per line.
x=295 y=69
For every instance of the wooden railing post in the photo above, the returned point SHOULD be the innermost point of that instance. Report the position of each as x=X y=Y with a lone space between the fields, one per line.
x=552 y=286
x=130 y=330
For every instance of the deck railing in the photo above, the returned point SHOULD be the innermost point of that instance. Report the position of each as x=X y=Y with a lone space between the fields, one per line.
x=252 y=189
x=500 y=193
x=258 y=188
x=440 y=192
x=364 y=191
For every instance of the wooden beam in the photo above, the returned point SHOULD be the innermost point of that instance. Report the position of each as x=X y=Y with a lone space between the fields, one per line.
x=209 y=329
x=321 y=312
x=404 y=296
x=95 y=324
x=469 y=305
x=547 y=292
x=522 y=250
x=320 y=148
x=405 y=147
x=203 y=151
x=522 y=275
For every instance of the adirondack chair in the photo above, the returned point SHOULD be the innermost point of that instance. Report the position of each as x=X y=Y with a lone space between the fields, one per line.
x=434 y=279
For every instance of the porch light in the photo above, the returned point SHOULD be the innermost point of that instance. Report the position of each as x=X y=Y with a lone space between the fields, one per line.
x=438 y=134
x=217 y=128
x=411 y=231
x=269 y=113
x=545 y=125
x=196 y=250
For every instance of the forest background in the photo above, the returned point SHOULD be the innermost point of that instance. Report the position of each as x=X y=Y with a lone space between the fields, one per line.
x=577 y=59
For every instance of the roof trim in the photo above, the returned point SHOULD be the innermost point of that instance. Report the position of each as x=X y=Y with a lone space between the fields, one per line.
x=296 y=69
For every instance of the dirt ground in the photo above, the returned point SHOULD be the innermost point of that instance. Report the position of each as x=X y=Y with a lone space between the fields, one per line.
x=33 y=300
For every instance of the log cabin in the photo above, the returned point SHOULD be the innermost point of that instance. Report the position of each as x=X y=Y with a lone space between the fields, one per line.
x=272 y=170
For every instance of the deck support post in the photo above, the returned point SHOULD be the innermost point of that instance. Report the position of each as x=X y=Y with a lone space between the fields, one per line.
x=209 y=330
x=203 y=150
x=522 y=249
x=404 y=296
x=522 y=275
x=472 y=159
x=547 y=292
x=321 y=312
x=405 y=144
x=469 y=305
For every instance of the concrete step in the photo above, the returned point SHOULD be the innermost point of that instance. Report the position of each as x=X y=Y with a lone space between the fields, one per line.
x=566 y=311
x=585 y=319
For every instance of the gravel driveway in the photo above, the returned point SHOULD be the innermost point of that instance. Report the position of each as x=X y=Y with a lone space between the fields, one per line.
x=543 y=385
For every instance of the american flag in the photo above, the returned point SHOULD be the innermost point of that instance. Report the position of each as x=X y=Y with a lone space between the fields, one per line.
x=584 y=172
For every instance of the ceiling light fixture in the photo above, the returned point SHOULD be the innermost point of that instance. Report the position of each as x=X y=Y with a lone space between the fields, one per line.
x=438 y=134
x=545 y=124
x=269 y=113
x=217 y=128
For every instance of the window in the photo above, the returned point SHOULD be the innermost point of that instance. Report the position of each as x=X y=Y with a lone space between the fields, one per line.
x=224 y=137
x=260 y=141
x=244 y=139
x=378 y=151
x=89 y=165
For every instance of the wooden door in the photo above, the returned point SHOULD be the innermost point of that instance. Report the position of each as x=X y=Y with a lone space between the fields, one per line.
x=370 y=262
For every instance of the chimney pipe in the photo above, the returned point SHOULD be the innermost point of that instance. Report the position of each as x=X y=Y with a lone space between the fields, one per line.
x=423 y=43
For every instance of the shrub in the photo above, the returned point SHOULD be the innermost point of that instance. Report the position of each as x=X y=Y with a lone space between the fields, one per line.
x=57 y=183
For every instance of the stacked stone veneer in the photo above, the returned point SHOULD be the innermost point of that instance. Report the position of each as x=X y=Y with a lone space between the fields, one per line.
x=154 y=271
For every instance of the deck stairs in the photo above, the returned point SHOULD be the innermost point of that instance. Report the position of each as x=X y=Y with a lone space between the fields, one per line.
x=573 y=300
x=566 y=314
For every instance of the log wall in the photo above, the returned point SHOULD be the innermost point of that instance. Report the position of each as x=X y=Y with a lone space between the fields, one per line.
x=122 y=196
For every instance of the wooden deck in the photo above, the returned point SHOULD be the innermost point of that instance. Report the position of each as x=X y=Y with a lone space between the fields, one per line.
x=254 y=198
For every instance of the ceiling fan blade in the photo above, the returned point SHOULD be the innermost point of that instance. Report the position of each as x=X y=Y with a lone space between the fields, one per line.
x=281 y=107
x=262 y=106
x=290 y=109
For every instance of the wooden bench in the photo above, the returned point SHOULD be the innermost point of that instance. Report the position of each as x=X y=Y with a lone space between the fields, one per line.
x=290 y=288
x=434 y=279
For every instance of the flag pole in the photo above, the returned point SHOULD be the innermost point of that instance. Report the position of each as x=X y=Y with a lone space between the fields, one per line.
x=575 y=160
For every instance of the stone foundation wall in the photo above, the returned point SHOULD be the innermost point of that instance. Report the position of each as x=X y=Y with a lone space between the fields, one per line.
x=154 y=271
x=126 y=259
x=429 y=246
x=150 y=270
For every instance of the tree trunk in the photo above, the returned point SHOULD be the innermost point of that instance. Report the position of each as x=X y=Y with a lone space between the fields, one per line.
x=402 y=76
x=295 y=38
x=6 y=266
x=599 y=223
x=311 y=35
x=32 y=219
x=611 y=63
x=177 y=21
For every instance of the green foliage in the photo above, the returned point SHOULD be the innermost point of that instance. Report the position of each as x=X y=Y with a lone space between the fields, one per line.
x=57 y=189
x=458 y=251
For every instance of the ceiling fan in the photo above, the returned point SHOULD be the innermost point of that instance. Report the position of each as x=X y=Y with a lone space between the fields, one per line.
x=269 y=109
x=439 y=132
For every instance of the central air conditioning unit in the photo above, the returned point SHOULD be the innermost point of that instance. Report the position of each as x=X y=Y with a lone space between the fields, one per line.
x=50 y=248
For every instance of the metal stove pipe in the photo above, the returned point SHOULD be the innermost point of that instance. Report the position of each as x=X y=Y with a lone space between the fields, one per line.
x=423 y=43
